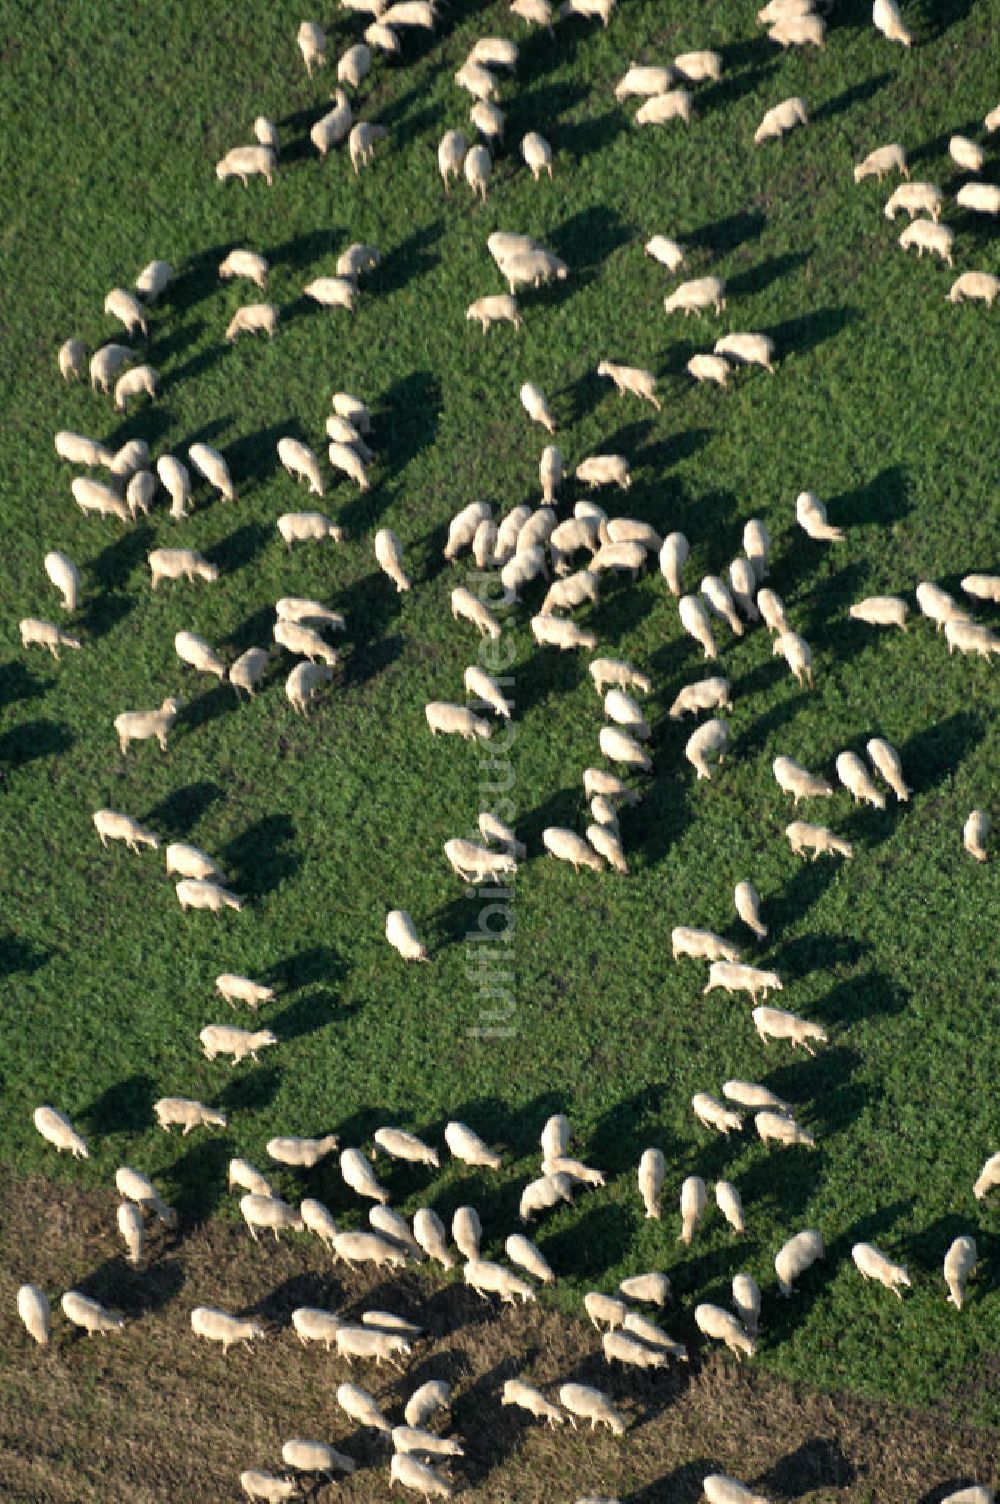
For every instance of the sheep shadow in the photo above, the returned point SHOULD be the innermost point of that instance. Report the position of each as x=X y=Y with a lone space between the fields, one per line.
x=193 y=368
x=884 y=500
x=115 y=563
x=200 y=1176
x=562 y=808
x=589 y=237
x=682 y=1486
x=240 y=548
x=932 y=755
x=134 y=1292
x=726 y=234
x=255 y=456
x=251 y=1092
x=941 y=15
x=404 y=264
x=197 y=280
x=817 y=1463
x=825 y=1087
x=263 y=856
x=583 y=394
x=256 y=631
x=937 y=145
x=206 y=707
x=302 y=250
x=320 y=964
x=796 y=959
x=547 y=675
x=595 y=1240
x=33 y=740
x=731 y=89
x=581 y=138
x=307 y=1015
x=20 y=957
x=125 y=1107
x=756 y=278
x=856 y=94
x=18 y=682
x=800 y=335
x=103 y=613
x=149 y=422
x=180 y=811
x=173 y=343
x=867 y=996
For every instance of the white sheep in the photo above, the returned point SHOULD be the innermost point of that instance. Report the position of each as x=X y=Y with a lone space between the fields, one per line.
x=887 y=20
x=315 y=1457
x=605 y=671
x=304 y=642
x=105 y=363
x=78 y=449
x=113 y=826
x=314 y=1325
x=858 y=781
x=467 y=1231
x=673 y=556
x=456 y=720
x=696 y=623
x=266 y=1486
x=269 y=1212
x=746 y=1299
x=715 y=1321
x=747 y=902
x=368 y=1248
x=542 y=1194
x=882 y=160
x=810 y=514
x=775 y=1023
x=959 y=1262
x=743 y=582
x=642 y=80
x=311 y=41
x=873 y=1264
x=190 y=861
x=721 y=603
x=729 y=1202
x=697 y=67
x=534 y=268
x=983 y=286
x=126 y=308
x=359 y=258
x=964 y=153
x=535 y=404
x=488 y=1278
x=243 y=263
x=701 y=944
x=488 y=119
x=651 y=1175
x=401 y=933
x=38 y=633
x=675 y=104
x=491 y=828
x=141 y=725
x=245 y=162
x=799 y=31
x=795 y=1256
x=90 y=1314
x=928 y=236
x=714 y=368
x=590 y=10
x=476 y=80
x=359 y=1405
x=693 y=1200
x=980 y=198
x=692 y=297
x=654 y=1288
x=600 y=781
x=792 y=778
x=747 y=349
x=667 y=252
x=307 y=527
x=537 y=154
x=222 y=1039
x=354 y=65
x=487 y=691
x=266 y=133
x=782 y=118
x=203 y=893
x=818 y=839
x=367 y=1342
x=622 y=709
x=606 y=841
x=36 y=1313
x=712 y=1113
x=478 y=167
x=424 y=1444
x=495 y=52
x=451 y=154
x=340 y=431
x=210 y=464
x=757 y=546
x=915 y=198
x=358 y=1174
x=618 y=746
x=520 y=1250
x=976 y=1493
x=475 y=864
x=632 y=381
x=720 y=1488
x=334 y=126
x=467 y=1146
x=938 y=606
x=971 y=637
x=782 y=1128
x=527 y=1397
x=72 y=357
x=622 y=1347
x=194 y=650
x=57 y=1129
x=248 y=670
x=406 y=1470
x=975 y=834
x=426 y=1401
x=302 y=1153
x=468 y=607
x=495 y=309
x=94 y=496
x=182 y=1112
x=989 y=1176
x=140 y=492
x=628 y=555
x=797 y=654
x=255 y=318
x=243 y=1174
x=140 y=1189
x=429 y=1232
x=591 y=1404
x=711 y=739
x=316 y=1218
x=885 y=760
x=463 y=527
x=881 y=611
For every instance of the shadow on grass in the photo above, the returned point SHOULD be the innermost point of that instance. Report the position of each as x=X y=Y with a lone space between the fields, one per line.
x=817 y=1464
x=174 y=817
x=931 y=756
x=404 y=263
x=264 y=856
x=113 y=565
x=756 y=278
x=797 y=336
x=200 y=1176
x=17 y=683
x=253 y=1091
x=31 y=741
x=682 y=1486
x=126 y=1107
x=132 y=1292
x=589 y=237
x=20 y=957
x=856 y=94
x=320 y=964
x=240 y=548
x=722 y=235
x=303 y=250
x=581 y=138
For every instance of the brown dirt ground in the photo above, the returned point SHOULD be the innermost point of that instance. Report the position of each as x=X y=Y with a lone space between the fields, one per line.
x=155 y=1414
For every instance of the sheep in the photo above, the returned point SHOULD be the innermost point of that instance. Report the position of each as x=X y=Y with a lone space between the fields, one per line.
x=141 y=725
x=425 y=1444
x=534 y=402
x=304 y=642
x=696 y=67
x=651 y=1174
x=743 y=581
x=476 y=79
x=721 y=603
x=621 y=1347
x=715 y=1321
x=792 y=778
x=621 y=708
x=488 y=120
x=340 y=431
x=607 y=843
x=520 y=1250
x=605 y=671
x=721 y=1489
x=882 y=160
x=747 y=902
x=537 y=154
x=556 y=631
x=885 y=760
x=463 y=527
x=90 y=1314
x=915 y=198
x=243 y=1174
x=57 y=1129
x=593 y=1405
x=534 y=12
x=487 y=690
x=928 y=236
x=989 y=1176
x=105 y=364
x=675 y=104
x=599 y=781
x=818 y=839
x=696 y=623
x=799 y=31
x=496 y=309
x=221 y=1039
x=959 y=1262
x=533 y=268
x=628 y=555
x=750 y=1094
x=243 y=263
x=195 y=651
x=475 y=864
x=419 y=13
x=467 y=1232
x=966 y=154
x=746 y=1299
x=140 y=1189
x=527 y=1397
x=980 y=198
x=776 y=10
x=132 y=456
x=426 y=1401
x=266 y=133
x=667 y=252
x=976 y=1493
x=93 y=496
x=887 y=20
x=747 y=349
x=77 y=449
x=311 y=41
x=314 y=1325
x=420 y=1477
x=782 y=1128
x=757 y=546
x=451 y=155
x=856 y=778
x=975 y=834
x=468 y=607
x=712 y=1113
x=396 y=1229
x=354 y=66
x=358 y=1174
x=367 y=1342
x=560 y=1164
x=35 y=1312
x=202 y=893
x=873 y=1264
x=673 y=556
x=210 y=464
x=709 y=368
x=975 y=285
x=780 y=119
x=315 y=1457
x=640 y=81
x=37 y=633
x=493 y=829
x=618 y=746
x=556 y=1136
x=881 y=611
x=303 y=1153
x=331 y=292
x=795 y=1256
x=727 y=1199
x=401 y=933
x=334 y=126
x=72 y=355
x=650 y=1287
x=810 y=514
x=938 y=606
x=477 y=168
x=140 y=492
x=701 y=944
x=245 y=162
x=692 y=297
x=693 y=1201
x=268 y=1212
x=359 y=1405
x=774 y=1023
x=797 y=654
x=126 y=308
x=174 y=1111
x=971 y=637
x=542 y=1194
x=368 y=1248
x=267 y=1486
x=307 y=527
x=255 y=318
x=248 y=670
x=113 y=826
x=189 y=861
x=428 y=1230
x=710 y=739
x=469 y=1147
x=354 y=262
x=632 y=381
x=487 y=1278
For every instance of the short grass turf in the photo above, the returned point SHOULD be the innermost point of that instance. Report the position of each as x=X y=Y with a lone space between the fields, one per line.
x=884 y=404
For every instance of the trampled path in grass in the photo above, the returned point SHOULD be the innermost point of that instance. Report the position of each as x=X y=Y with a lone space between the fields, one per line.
x=883 y=405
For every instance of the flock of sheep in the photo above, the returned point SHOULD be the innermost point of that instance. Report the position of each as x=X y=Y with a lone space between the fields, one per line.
x=517 y=549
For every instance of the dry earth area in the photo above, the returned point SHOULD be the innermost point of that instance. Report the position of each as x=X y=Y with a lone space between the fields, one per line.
x=154 y=1414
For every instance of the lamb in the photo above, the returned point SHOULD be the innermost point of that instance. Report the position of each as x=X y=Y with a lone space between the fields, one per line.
x=368 y=1248
x=542 y=1194
x=248 y=670
x=451 y=155
x=782 y=1128
x=315 y=1457
x=72 y=355
x=557 y=632
x=537 y=154
x=975 y=285
x=105 y=364
x=171 y=1111
x=598 y=781
x=245 y=162
x=331 y=292
x=311 y=40
x=746 y=1299
x=426 y=1401
x=475 y=864
x=618 y=746
x=980 y=198
x=818 y=839
x=887 y=20
x=126 y=308
x=694 y=1199
x=407 y=1471
x=368 y=1342
x=651 y=1174
x=314 y=1325
x=593 y=1405
x=57 y=1129
x=747 y=901
x=478 y=167
x=959 y=1262
x=799 y=31
x=534 y=402
x=856 y=778
x=675 y=104
x=810 y=514
x=703 y=292
x=268 y=1212
x=989 y=1176
x=927 y=236
x=709 y=368
x=307 y=527
x=244 y=263
x=640 y=81
x=757 y=546
x=487 y=690
x=622 y=1347
x=487 y=1278
x=750 y=1094
x=938 y=606
x=796 y=1256
x=747 y=349
x=881 y=611
x=673 y=556
x=781 y=119
x=721 y=1489
x=774 y=1023
x=469 y=1147
x=202 y=893
x=221 y=1039
x=354 y=66
x=535 y=268
x=37 y=633
x=520 y=1250
x=360 y=1406
x=696 y=623
x=882 y=160
x=873 y=1264
x=727 y=1199
x=334 y=126
x=496 y=309
x=141 y=725
x=975 y=834
x=792 y=778
x=971 y=637
x=476 y=80
x=701 y=944
x=194 y=650
x=915 y=198
x=36 y=1313
x=303 y=1153
x=721 y=603
x=255 y=318
x=77 y=449
x=711 y=739
x=667 y=252
x=721 y=1324
x=527 y=1397
x=90 y=1314
x=93 y=496
x=468 y=607
x=424 y=1443
x=712 y=1113
x=797 y=654
x=428 y=1230
x=242 y=1173
x=606 y=671
x=632 y=381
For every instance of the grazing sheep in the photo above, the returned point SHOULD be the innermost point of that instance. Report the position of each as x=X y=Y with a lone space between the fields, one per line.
x=331 y=292
x=354 y=262
x=105 y=364
x=810 y=514
x=597 y=781
x=915 y=198
x=711 y=739
x=926 y=236
x=311 y=41
x=182 y=1112
x=631 y=381
x=194 y=650
x=489 y=121
x=221 y=1039
x=359 y=1405
x=652 y=1173
x=975 y=285
x=534 y=402
x=694 y=1199
x=780 y=119
x=426 y=1444
x=476 y=80
x=697 y=624
x=456 y=720
x=747 y=901
x=90 y=1314
x=590 y=10
x=429 y=1232
x=882 y=160
x=369 y=1342
x=255 y=318
x=244 y=263
x=622 y=1347
x=557 y=632
x=126 y=308
x=593 y=1405
x=757 y=546
x=618 y=746
x=57 y=1129
x=799 y=31
x=358 y=1174
x=354 y=66
x=964 y=153
x=269 y=1212
x=202 y=893
x=792 y=778
x=818 y=839
x=542 y=1194
x=418 y=13
x=495 y=52
x=971 y=637
x=783 y=1129
x=304 y=642
x=307 y=527
x=856 y=778
x=746 y=1299
x=493 y=829
x=487 y=1278
x=426 y=1401
x=77 y=449
x=478 y=167
x=469 y=1147
x=640 y=81
x=628 y=555
x=248 y=670
x=267 y=1486
x=797 y=654
x=697 y=67
x=654 y=1288
x=606 y=841
x=673 y=556
x=334 y=126
x=140 y=492
x=709 y=368
x=520 y=1250
x=495 y=309
x=701 y=944
x=406 y=1470
x=975 y=834
x=976 y=1493
x=537 y=154
x=730 y=1204
x=796 y=1256
x=245 y=162
x=721 y=603
x=715 y=1321
x=959 y=1262
x=315 y=1457
x=703 y=292
x=992 y=120
x=93 y=496
x=750 y=1094
x=885 y=760
x=675 y=104
x=401 y=933
x=989 y=1176
x=463 y=528
x=887 y=20
x=451 y=155
x=873 y=1264
x=667 y=252
x=559 y=1164
x=141 y=725
x=881 y=611
x=35 y=1312
x=475 y=864
x=468 y=607
x=621 y=708
x=72 y=357
x=209 y=463
x=533 y=268
x=527 y=1397
x=747 y=349
x=243 y=1174
x=938 y=606
x=720 y=1488
x=37 y=633
x=775 y=1023
x=486 y=689
x=303 y=1153
x=605 y=671
x=980 y=198
x=712 y=1113
x=467 y=1231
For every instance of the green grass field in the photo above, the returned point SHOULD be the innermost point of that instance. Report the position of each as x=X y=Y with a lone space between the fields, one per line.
x=884 y=404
